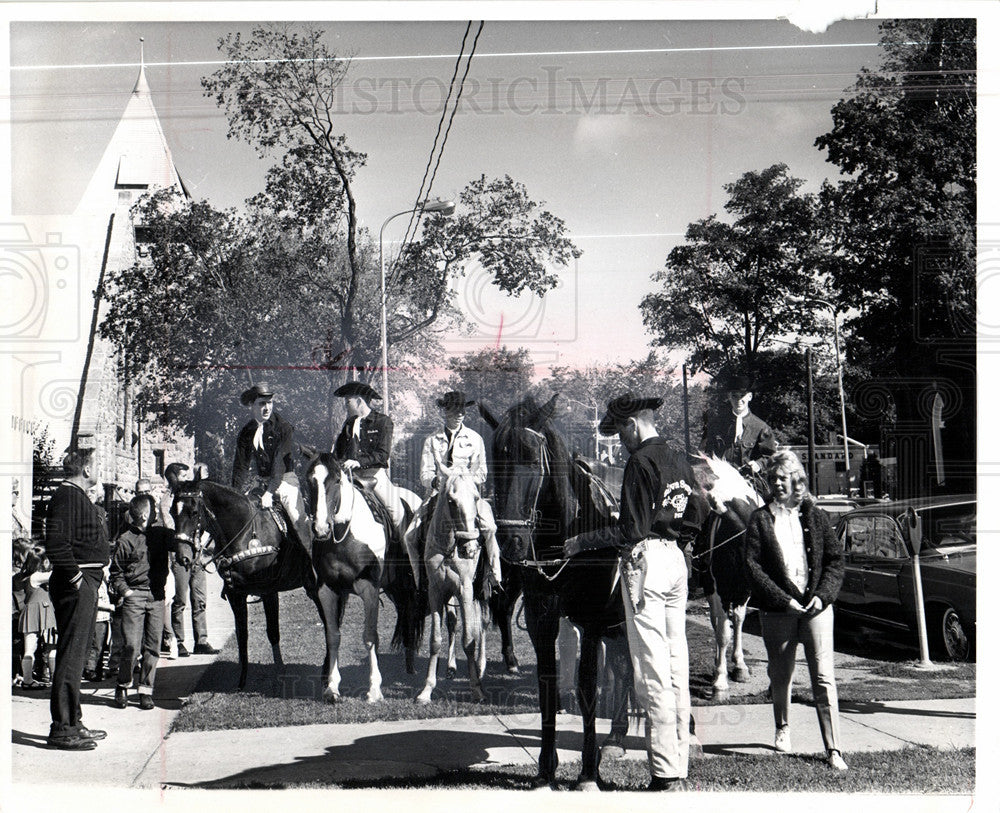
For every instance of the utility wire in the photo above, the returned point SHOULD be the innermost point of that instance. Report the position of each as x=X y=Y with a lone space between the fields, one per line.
x=458 y=98
x=430 y=158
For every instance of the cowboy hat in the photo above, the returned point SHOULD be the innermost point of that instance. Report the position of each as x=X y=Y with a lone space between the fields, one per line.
x=454 y=400
x=622 y=408
x=352 y=388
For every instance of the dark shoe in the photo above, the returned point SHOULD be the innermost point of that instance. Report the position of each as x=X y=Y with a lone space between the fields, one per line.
x=669 y=785
x=89 y=675
x=99 y=674
x=205 y=648
x=182 y=651
x=121 y=697
x=92 y=733
x=146 y=702
x=72 y=743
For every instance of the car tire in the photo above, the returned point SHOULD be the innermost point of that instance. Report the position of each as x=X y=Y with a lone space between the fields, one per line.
x=949 y=635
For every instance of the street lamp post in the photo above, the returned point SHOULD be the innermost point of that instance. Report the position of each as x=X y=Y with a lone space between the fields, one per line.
x=444 y=207
x=840 y=388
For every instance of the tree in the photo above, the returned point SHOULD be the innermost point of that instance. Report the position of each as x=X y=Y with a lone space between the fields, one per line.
x=279 y=89
x=902 y=227
x=733 y=288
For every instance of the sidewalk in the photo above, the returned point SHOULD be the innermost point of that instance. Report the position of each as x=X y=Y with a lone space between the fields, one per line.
x=138 y=753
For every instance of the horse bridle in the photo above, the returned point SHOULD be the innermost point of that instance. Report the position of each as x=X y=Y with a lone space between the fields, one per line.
x=215 y=526
x=530 y=522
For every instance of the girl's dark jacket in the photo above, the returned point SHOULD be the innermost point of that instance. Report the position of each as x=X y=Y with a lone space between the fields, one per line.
x=772 y=590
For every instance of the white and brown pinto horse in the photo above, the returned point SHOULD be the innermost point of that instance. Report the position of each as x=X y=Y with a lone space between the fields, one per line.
x=719 y=562
x=357 y=550
x=453 y=558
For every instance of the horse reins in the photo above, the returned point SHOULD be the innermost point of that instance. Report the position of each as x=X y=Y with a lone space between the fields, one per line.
x=530 y=522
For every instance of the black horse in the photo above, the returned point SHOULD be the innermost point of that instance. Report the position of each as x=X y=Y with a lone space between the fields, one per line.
x=252 y=554
x=542 y=498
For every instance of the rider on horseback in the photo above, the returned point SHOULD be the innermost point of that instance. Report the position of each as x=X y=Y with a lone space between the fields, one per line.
x=738 y=436
x=455 y=449
x=364 y=443
x=266 y=442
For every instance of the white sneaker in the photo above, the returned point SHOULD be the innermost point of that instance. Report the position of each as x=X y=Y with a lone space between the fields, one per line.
x=783 y=740
x=836 y=761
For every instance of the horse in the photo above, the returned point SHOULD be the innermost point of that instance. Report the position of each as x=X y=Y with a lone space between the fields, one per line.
x=252 y=554
x=719 y=562
x=452 y=559
x=542 y=499
x=356 y=549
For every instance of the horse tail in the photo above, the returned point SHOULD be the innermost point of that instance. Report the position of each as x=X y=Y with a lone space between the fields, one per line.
x=411 y=606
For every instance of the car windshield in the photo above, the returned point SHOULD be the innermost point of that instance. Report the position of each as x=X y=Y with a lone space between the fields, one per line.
x=949 y=525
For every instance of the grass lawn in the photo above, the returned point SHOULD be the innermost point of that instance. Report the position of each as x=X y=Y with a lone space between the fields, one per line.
x=909 y=771
x=296 y=698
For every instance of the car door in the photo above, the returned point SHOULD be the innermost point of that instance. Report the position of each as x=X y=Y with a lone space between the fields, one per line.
x=884 y=559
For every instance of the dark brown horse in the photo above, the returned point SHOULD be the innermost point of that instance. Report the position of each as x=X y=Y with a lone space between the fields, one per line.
x=252 y=554
x=543 y=498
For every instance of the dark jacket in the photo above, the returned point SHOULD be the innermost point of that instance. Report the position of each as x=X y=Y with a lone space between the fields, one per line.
x=769 y=582
x=659 y=495
x=756 y=442
x=140 y=561
x=273 y=461
x=373 y=446
x=75 y=533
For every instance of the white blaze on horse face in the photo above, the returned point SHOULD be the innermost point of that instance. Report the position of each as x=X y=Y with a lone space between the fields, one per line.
x=322 y=520
x=179 y=512
x=462 y=495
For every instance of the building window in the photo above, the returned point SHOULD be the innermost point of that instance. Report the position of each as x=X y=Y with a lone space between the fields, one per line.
x=158 y=459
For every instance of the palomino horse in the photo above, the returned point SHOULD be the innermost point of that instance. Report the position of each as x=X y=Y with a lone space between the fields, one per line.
x=719 y=561
x=252 y=554
x=542 y=499
x=452 y=557
x=357 y=550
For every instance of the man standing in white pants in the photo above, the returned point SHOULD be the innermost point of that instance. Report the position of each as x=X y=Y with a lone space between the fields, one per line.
x=661 y=511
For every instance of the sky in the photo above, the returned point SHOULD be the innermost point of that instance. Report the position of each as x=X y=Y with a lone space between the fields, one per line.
x=626 y=130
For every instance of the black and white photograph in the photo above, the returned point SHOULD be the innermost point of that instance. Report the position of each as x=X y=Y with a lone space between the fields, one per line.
x=419 y=400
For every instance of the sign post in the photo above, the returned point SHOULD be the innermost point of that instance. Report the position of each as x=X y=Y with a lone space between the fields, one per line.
x=915 y=538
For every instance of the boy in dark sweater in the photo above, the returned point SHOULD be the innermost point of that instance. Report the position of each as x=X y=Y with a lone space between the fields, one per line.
x=138 y=578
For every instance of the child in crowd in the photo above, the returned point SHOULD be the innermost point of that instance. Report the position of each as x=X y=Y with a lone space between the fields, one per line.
x=138 y=577
x=37 y=621
x=19 y=550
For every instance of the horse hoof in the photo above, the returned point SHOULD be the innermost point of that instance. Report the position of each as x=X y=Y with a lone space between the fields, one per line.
x=375 y=697
x=512 y=669
x=542 y=783
x=411 y=669
x=587 y=785
x=741 y=674
x=422 y=699
x=478 y=696
x=331 y=697
x=612 y=751
x=450 y=673
x=720 y=695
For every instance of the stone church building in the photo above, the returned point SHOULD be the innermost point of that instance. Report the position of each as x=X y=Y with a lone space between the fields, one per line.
x=137 y=160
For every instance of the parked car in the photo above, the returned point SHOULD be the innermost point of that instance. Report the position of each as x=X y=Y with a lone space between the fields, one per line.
x=878 y=579
x=836 y=505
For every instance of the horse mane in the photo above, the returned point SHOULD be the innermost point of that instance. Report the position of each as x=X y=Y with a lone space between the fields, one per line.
x=723 y=481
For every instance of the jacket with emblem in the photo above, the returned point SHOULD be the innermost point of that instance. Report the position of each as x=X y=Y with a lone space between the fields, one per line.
x=468 y=454
x=756 y=442
x=371 y=446
x=272 y=461
x=769 y=581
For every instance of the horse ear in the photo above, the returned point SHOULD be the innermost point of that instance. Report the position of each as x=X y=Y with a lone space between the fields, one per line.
x=543 y=415
x=488 y=416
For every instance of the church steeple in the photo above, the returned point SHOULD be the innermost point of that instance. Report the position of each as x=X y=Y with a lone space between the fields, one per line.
x=140 y=83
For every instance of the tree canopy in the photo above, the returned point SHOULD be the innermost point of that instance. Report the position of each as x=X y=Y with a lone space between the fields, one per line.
x=736 y=286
